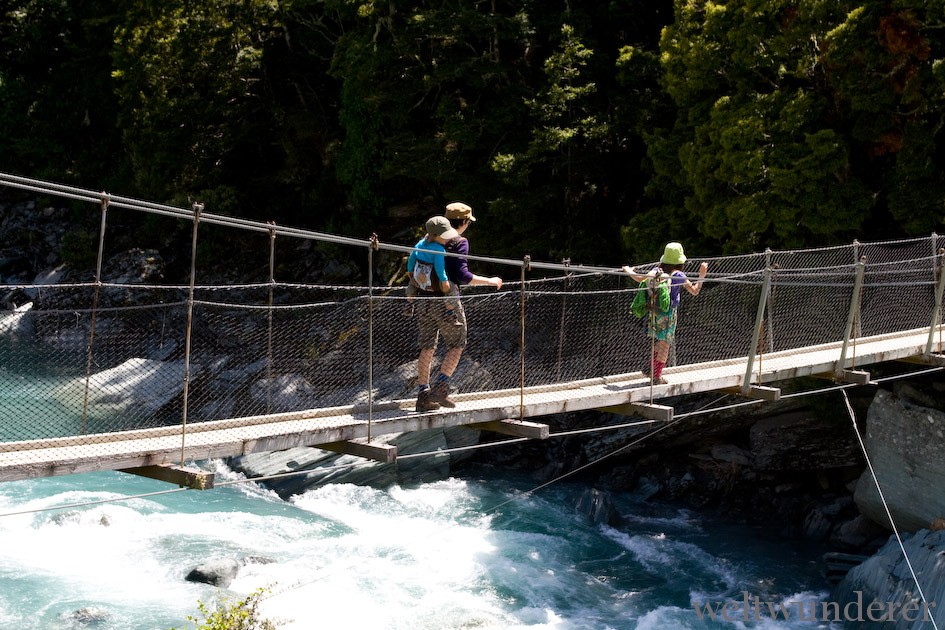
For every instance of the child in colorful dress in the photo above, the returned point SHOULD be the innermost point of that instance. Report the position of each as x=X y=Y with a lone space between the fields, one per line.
x=661 y=324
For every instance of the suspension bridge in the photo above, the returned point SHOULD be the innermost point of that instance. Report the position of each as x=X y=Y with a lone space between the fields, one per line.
x=100 y=370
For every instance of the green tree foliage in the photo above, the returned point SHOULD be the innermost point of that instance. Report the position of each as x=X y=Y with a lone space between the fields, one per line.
x=795 y=122
x=189 y=81
x=598 y=104
x=757 y=122
x=56 y=117
x=566 y=135
x=241 y=614
x=425 y=97
x=884 y=63
x=326 y=113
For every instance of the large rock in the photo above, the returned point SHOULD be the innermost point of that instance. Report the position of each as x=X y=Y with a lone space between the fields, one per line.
x=17 y=323
x=799 y=440
x=886 y=579
x=905 y=444
x=322 y=467
x=217 y=572
x=142 y=385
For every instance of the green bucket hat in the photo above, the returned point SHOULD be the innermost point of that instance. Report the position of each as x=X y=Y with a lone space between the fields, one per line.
x=673 y=254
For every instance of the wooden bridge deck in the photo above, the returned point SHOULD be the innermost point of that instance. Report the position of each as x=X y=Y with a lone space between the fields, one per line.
x=224 y=438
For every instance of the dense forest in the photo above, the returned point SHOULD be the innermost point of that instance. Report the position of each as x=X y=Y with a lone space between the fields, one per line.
x=583 y=129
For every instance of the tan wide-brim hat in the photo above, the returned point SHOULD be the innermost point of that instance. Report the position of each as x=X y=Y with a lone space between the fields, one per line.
x=459 y=210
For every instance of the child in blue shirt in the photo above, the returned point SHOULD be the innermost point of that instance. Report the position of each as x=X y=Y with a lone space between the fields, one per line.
x=426 y=266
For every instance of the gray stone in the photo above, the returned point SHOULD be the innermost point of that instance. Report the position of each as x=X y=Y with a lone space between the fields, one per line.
x=18 y=322
x=886 y=578
x=731 y=454
x=905 y=445
x=801 y=441
x=219 y=572
x=817 y=525
x=324 y=467
x=856 y=533
x=142 y=385
x=89 y=616
x=286 y=392
x=598 y=506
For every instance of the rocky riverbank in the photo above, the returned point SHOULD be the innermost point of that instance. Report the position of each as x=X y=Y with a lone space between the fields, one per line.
x=795 y=466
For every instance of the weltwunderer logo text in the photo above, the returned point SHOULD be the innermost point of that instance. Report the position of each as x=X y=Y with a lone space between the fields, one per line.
x=753 y=608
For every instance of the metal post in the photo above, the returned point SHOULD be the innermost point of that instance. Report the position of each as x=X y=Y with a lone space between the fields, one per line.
x=937 y=310
x=95 y=298
x=851 y=317
x=198 y=208
x=526 y=266
x=772 y=303
x=756 y=332
x=373 y=246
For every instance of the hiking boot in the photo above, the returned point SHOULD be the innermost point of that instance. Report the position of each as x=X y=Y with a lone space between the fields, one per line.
x=425 y=401
x=440 y=394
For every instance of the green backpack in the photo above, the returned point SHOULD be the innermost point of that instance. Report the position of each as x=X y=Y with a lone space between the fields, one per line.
x=653 y=296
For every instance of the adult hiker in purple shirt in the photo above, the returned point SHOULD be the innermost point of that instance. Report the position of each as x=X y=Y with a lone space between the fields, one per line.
x=461 y=217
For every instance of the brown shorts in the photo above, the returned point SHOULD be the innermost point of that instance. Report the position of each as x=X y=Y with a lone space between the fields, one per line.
x=434 y=322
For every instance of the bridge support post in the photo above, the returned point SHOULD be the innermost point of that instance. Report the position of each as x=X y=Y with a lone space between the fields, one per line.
x=937 y=311
x=851 y=318
x=756 y=333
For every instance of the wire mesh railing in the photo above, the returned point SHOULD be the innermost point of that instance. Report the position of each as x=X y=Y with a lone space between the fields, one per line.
x=112 y=354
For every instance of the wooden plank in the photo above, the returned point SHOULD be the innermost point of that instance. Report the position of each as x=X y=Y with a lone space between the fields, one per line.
x=183 y=476
x=517 y=428
x=645 y=410
x=384 y=453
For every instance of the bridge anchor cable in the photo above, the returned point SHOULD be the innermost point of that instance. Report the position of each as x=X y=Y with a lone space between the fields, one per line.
x=879 y=490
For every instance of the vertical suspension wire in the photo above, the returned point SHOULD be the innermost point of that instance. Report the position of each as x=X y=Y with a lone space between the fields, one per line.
x=652 y=333
x=526 y=266
x=198 y=208
x=564 y=306
x=272 y=285
x=95 y=298
x=373 y=246
x=857 y=322
x=941 y=271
